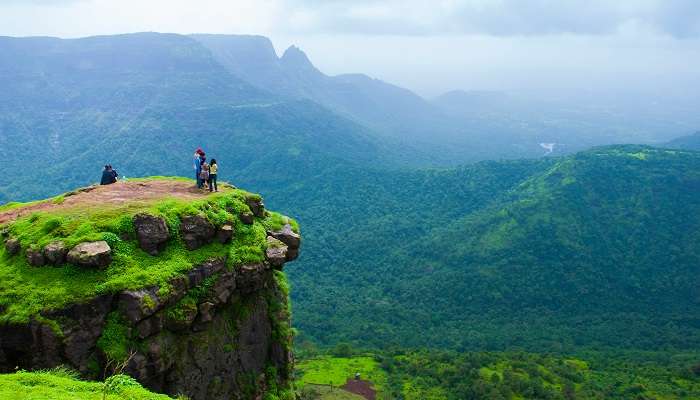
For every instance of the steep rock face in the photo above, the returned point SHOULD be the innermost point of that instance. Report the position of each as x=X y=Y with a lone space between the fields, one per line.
x=218 y=329
x=219 y=349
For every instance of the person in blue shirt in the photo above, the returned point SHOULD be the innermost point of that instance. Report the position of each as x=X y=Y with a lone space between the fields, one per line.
x=198 y=166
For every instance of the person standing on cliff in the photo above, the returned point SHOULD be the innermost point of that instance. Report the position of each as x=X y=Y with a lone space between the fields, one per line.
x=204 y=175
x=198 y=166
x=213 y=169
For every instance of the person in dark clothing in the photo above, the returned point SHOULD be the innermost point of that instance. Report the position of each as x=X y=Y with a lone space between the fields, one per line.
x=213 y=169
x=108 y=176
x=115 y=174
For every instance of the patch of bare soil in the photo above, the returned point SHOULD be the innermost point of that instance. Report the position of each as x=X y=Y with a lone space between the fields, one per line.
x=360 y=387
x=116 y=194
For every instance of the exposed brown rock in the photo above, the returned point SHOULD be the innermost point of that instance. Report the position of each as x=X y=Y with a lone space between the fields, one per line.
x=206 y=311
x=152 y=233
x=35 y=257
x=251 y=277
x=91 y=254
x=247 y=217
x=55 y=253
x=276 y=252
x=196 y=231
x=224 y=234
x=12 y=246
x=256 y=205
x=137 y=305
x=292 y=239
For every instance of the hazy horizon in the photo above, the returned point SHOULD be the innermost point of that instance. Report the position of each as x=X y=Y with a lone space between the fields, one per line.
x=647 y=47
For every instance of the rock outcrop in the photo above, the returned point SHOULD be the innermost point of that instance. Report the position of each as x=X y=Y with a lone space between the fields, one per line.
x=55 y=253
x=196 y=231
x=90 y=254
x=12 y=246
x=152 y=233
x=214 y=330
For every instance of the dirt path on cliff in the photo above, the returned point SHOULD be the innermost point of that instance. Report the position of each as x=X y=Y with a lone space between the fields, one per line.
x=360 y=387
x=116 y=194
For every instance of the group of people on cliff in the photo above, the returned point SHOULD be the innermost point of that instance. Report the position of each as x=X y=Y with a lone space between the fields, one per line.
x=205 y=173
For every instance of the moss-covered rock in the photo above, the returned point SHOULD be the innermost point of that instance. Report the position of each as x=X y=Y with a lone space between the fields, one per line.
x=179 y=278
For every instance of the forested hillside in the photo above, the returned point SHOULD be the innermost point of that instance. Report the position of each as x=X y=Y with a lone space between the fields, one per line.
x=596 y=249
x=143 y=103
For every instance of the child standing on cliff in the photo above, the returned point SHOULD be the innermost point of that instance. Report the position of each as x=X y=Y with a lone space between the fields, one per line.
x=204 y=174
x=213 y=169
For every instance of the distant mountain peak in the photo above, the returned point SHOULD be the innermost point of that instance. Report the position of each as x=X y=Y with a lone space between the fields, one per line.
x=294 y=57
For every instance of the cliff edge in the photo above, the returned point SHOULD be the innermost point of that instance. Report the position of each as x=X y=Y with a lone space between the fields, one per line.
x=181 y=289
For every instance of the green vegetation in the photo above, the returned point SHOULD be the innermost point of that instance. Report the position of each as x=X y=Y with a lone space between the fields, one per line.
x=320 y=392
x=115 y=341
x=443 y=375
x=60 y=384
x=596 y=250
x=27 y=290
x=335 y=371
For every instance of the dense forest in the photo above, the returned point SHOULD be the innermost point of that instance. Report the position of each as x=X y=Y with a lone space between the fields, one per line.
x=596 y=249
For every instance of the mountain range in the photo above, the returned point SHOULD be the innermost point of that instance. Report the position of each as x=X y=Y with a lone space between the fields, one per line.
x=409 y=240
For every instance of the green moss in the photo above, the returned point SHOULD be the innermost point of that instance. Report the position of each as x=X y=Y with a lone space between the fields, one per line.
x=115 y=341
x=26 y=290
x=61 y=384
x=188 y=303
x=275 y=222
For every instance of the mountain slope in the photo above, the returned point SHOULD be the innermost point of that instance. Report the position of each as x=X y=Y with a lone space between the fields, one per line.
x=595 y=249
x=143 y=103
x=384 y=107
x=690 y=142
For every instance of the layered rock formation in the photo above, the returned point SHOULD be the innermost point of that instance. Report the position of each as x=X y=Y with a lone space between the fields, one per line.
x=216 y=329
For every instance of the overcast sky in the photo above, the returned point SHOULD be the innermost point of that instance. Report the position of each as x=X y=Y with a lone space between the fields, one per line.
x=427 y=46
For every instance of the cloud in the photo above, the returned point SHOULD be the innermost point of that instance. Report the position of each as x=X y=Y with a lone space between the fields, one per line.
x=41 y=2
x=679 y=18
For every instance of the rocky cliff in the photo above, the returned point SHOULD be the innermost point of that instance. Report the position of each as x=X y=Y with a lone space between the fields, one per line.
x=182 y=290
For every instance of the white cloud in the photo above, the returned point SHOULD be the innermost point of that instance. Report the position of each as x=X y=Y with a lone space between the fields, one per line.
x=679 y=18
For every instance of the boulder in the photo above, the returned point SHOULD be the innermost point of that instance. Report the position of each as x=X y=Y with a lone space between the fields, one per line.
x=150 y=326
x=35 y=257
x=292 y=239
x=91 y=254
x=55 y=253
x=224 y=234
x=247 y=217
x=12 y=246
x=136 y=305
x=196 y=231
x=276 y=252
x=251 y=277
x=256 y=206
x=206 y=311
x=203 y=271
x=224 y=287
x=152 y=233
